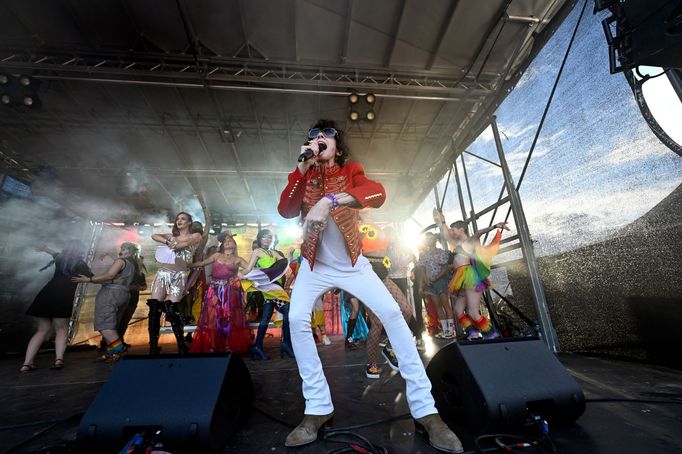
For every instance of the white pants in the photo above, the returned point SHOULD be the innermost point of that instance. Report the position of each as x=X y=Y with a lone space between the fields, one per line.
x=363 y=283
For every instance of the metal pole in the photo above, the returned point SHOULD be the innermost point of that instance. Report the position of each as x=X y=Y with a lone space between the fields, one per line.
x=79 y=296
x=439 y=207
x=459 y=191
x=548 y=333
x=474 y=224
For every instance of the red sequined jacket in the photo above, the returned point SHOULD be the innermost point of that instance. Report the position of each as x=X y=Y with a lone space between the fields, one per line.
x=304 y=191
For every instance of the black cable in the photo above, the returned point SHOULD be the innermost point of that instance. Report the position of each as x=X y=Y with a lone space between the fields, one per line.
x=531 y=323
x=445 y=191
x=509 y=448
x=329 y=433
x=549 y=103
x=363 y=443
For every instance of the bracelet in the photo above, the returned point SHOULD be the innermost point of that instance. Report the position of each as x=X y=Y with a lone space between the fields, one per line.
x=335 y=201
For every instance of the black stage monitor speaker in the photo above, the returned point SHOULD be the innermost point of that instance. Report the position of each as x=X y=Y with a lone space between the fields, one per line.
x=499 y=384
x=196 y=401
x=643 y=32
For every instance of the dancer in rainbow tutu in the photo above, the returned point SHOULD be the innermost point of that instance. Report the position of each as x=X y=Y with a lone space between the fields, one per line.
x=472 y=274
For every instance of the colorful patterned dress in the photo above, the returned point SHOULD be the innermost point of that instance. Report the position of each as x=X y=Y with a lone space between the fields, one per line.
x=222 y=327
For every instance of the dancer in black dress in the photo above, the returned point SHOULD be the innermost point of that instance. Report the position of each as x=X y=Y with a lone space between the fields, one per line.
x=53 y=305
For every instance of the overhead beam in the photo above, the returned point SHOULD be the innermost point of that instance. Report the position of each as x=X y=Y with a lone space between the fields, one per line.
x=115 y=171
x=396 y=33
x=441 y=34
x=216 y=72
x=346 y=32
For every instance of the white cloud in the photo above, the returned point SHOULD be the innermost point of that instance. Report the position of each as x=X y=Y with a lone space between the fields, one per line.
x=627 y=151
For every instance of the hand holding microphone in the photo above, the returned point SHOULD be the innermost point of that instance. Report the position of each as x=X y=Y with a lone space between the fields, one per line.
x=308 y=156
x=308 y=153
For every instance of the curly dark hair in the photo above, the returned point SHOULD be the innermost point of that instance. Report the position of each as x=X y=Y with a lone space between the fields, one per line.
x=461 y=225
x=340 y=142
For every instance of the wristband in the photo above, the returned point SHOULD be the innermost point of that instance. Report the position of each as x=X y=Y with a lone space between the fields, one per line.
x=335 y=202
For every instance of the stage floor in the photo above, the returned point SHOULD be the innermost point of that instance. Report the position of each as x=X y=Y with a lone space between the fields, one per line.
x=47 y=403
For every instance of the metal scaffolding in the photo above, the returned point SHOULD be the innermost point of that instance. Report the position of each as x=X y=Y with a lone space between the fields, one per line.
x=522 y=238
x=181 y=70
x=79 y=296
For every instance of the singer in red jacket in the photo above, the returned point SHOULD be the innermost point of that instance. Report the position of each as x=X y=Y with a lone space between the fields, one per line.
x=327 y=193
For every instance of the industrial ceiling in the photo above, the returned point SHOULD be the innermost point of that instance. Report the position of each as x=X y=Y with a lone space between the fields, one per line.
x=146 y=102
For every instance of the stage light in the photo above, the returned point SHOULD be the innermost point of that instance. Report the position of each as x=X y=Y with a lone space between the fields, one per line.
x=293 y=231
x=4 y=79
x=6 y=99
x=354 y=116
x=370 y=115
x=25 y=81
x=353 y=98
x=28 y=101
x=370 y=98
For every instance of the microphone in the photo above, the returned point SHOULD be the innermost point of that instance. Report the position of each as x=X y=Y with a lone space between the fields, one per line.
x=309 y=153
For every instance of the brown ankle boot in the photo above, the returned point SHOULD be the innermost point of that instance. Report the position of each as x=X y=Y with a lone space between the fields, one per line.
x=306 y=432
x=439 y=435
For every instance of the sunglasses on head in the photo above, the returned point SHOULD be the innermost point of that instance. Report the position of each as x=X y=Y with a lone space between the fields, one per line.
x=327 y=132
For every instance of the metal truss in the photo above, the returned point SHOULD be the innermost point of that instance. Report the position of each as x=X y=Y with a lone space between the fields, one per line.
x=79 y=297
x=521 y=240
x=219 y=71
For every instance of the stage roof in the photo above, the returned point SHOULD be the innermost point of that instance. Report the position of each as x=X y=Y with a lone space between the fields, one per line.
x=145 y=102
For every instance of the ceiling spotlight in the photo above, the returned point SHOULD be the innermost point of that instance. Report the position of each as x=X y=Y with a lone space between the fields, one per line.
x=6 y=99
x=4 y=79
x=353 y=98
x=25 y=81
x=28 y=101
x=370 y=116
x=370 y=98
x=354 y=116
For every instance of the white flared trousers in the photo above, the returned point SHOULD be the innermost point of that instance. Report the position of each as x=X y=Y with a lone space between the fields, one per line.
x=364 y=284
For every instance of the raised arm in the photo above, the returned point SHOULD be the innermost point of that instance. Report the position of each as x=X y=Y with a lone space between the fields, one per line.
x=446 y=234
x=207 y=216
x=499 y=225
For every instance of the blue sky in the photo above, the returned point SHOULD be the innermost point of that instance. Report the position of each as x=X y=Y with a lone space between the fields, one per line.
x=597 y=166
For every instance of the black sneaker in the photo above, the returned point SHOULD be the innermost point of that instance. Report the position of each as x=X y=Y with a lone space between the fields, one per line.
x=372 y=371
x=388 y=353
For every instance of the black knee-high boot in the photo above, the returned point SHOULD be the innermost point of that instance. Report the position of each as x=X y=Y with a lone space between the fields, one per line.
x=173 y=316
x=154 y=325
